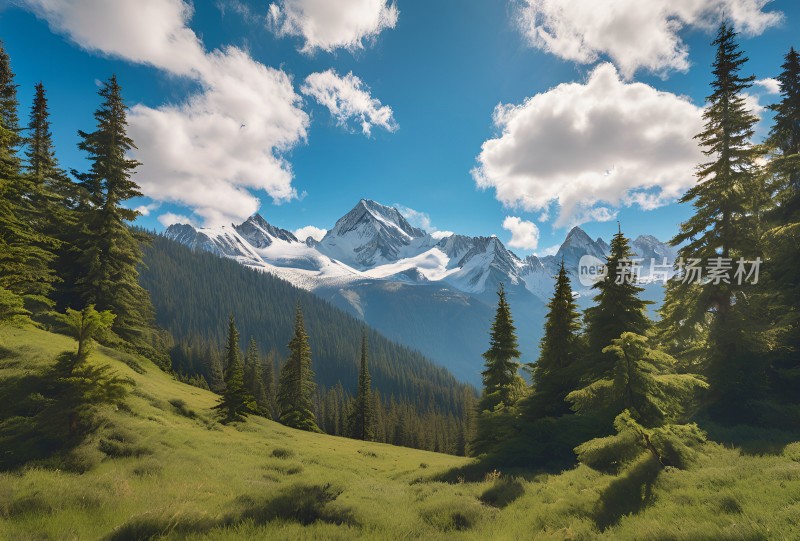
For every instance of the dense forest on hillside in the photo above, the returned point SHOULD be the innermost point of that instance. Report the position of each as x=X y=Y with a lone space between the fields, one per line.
x=193 y=294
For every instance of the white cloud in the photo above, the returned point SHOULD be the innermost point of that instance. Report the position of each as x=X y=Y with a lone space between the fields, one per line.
x=550 y=250
x=770 y=86
x=579 y=145
x=634 y=34
x=145 y=210
x=332 y=24
x=213 y=150
x=442 y=234
x=169 y=218
x=348 y=98
x=524 y=234
x=416 y=218
x=315 y=233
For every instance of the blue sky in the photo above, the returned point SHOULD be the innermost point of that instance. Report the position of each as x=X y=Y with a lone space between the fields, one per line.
x=441 y=67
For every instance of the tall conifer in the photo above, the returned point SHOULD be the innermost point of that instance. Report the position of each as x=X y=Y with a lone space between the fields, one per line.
x=555 y=374
x=296 y=386
x=617 y=309
x=362 y=415
x=26 y=251
x=109 y=251
x=725 y=224
x=783 y=237
x=236 y=402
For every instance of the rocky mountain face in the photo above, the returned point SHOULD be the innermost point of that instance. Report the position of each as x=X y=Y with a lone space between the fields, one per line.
x=434 y=294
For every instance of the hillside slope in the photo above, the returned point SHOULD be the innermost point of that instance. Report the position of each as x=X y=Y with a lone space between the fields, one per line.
x=177 y=474
x=194 y=292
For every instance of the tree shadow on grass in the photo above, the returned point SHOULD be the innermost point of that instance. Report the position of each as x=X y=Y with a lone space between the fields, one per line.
x=751 y=440
x=629 y=493
x=304 y=504
x=47 y=414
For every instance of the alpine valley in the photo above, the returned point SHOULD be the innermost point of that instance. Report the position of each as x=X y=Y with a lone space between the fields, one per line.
x=375 y=265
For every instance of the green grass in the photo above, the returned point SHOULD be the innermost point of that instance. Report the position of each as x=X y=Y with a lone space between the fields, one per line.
x=162 y=468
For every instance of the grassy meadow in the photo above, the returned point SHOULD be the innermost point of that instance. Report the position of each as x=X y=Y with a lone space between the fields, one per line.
x=162 y=468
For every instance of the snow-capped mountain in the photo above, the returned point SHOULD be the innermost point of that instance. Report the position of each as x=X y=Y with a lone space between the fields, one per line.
x=380 y=268
x=368 y=235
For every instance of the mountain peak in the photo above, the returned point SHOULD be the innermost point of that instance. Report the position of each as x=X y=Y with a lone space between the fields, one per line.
x=577 y=235
x=260 y=233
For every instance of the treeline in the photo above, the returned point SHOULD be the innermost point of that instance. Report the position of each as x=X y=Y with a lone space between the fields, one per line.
x=618 y=388
x=417 y=403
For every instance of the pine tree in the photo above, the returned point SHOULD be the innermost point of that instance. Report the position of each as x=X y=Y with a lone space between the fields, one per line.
x=216 y=381
x=502 y=385
x=236 y=402
x=555 y=374
x=649 y=399
x=617 y=309
x=782 y=283
x=253 y=376
x=268 y=377
x=296 y=385
x=52 y=193
x=26 y=252
x=362 y=415
x=725 y=224
x=109 y=251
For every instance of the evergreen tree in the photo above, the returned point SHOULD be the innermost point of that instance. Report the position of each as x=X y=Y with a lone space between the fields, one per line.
x=296 y=385
x=236 y=402
x=216 y=380
x=782 y=283
x=617 y=309
x=649 y=399
x=26 y=252
x=726 y=225
x=362 y=415
x=554 y=374
x=500 y=378
x=253 y=376
x=268 y=377
x=502 y=385
x=109 y=252
x=52 y=194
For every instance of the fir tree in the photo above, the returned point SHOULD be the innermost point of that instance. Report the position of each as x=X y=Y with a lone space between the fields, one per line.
x=782 y=283
x=253 y=376
x=500 y=378
x=216 y=381
x=554 y=374
x=362 y=415
x=649 y=399
x=296 y=385
x=725 y=225
x=109 y=251
x=617 y=309
x=268 y=377
x=502 y=385
x=236 y=402
x=26 y=252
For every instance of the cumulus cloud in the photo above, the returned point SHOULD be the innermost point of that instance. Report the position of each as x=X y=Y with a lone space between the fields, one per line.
x=169 y=218
x=332 y=24
x=634 y=34
x=524 y=234
x=585 y=147
x=223 y=143
x=442 y=234
x=550 y=250
x=770 y=86
x=416 y=218
x=348 y=99
x=315 y=233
